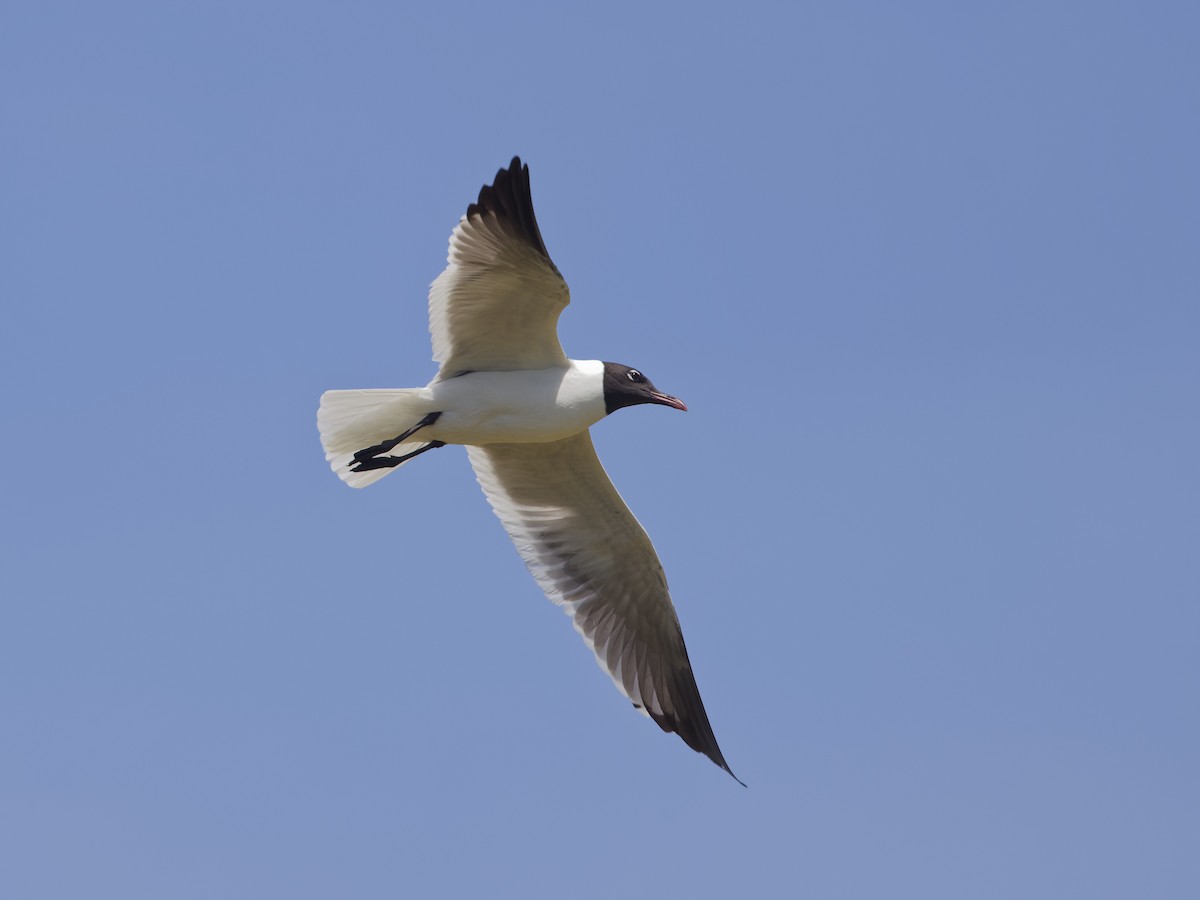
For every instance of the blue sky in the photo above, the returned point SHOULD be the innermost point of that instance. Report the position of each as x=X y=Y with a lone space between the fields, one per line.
x=927 y=277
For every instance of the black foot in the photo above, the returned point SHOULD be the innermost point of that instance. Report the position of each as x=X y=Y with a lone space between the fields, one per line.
x=389 y=462
x=366 y=454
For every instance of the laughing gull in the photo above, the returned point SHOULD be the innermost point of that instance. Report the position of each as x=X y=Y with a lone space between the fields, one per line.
x=507 y=391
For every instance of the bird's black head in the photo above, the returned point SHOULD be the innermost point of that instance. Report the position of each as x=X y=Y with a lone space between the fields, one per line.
x=624 y=386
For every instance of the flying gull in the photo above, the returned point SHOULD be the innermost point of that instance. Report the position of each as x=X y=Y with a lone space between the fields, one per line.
x=522 y=408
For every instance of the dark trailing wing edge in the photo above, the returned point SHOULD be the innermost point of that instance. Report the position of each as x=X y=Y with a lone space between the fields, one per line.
x=510 y=199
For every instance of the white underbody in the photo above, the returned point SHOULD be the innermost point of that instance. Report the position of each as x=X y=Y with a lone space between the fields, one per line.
x=518 y=407
x=521 y=406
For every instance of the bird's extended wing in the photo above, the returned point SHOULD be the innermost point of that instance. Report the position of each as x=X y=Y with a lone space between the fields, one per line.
x=496 y=305
x=590 y=556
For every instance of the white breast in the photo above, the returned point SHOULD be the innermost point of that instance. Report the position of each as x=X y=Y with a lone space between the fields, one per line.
x=518 y=407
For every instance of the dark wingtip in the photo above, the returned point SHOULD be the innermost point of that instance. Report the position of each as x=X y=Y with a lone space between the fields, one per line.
x=510 y=199
x=687 y=717
x=699 y=736
x=719 y=759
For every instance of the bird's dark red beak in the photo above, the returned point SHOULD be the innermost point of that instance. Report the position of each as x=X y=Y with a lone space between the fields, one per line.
x=668 y=400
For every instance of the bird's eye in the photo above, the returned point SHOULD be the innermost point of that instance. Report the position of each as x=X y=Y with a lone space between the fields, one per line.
x=635 y=376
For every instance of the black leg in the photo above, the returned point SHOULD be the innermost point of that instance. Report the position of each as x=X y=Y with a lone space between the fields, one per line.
x=386 y=447
x=390 y=462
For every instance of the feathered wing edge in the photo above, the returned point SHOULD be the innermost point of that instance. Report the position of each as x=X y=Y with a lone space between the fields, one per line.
x=592 y=558
x=510 y=199
x=497 y=302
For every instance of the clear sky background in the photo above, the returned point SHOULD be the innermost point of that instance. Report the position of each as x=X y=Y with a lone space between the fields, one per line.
x=928 y=277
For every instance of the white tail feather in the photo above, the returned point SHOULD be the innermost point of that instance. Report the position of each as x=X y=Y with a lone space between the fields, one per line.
x=350 y=421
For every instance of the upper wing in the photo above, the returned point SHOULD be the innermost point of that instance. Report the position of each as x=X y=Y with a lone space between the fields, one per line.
x=497 y=303
x=590 y=556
